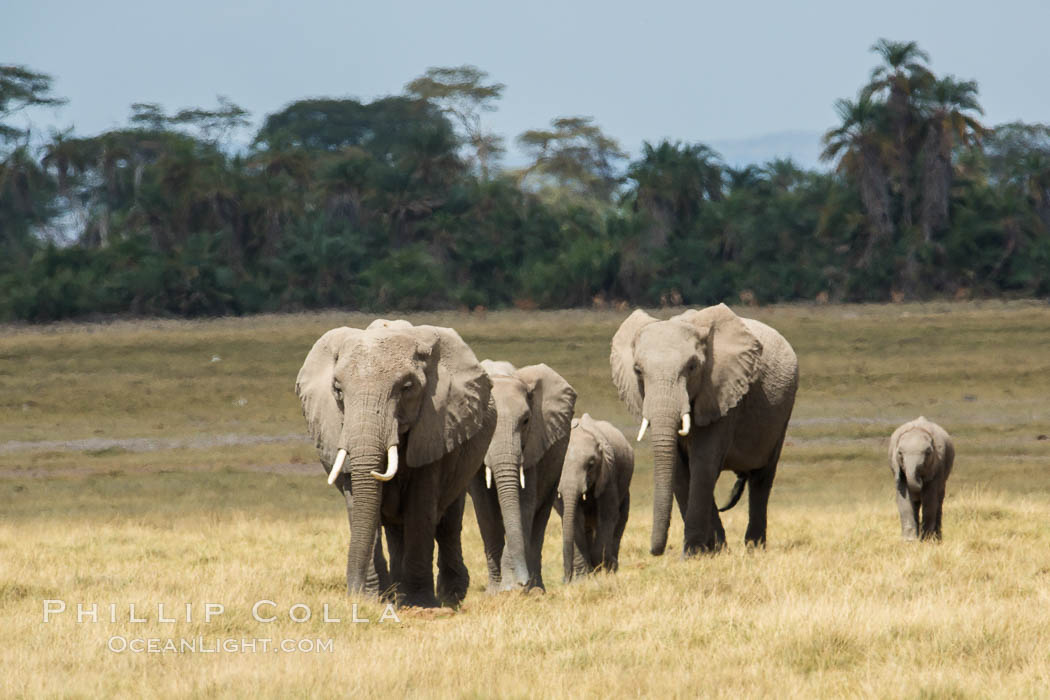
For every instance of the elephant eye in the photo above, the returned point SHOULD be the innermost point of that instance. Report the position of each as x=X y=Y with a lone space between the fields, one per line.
x=637 y=369
x=338 y=393
x=407 y=385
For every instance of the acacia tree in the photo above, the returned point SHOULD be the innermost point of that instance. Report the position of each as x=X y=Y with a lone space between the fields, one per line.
x=576 y=155
x=21 y=88
x=463 y=93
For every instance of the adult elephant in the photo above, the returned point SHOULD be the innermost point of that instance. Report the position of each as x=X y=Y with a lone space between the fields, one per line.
x=718 y=390
x=389 y=395
x=514 y=496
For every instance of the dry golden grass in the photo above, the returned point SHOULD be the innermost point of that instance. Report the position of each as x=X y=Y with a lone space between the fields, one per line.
x=836 y=605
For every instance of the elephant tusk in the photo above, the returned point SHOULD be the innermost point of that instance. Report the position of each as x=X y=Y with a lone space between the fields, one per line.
x=584 y=496
x=488 y=476
x=521 y=476
x=391 y=465
x=337 y=467
x=641 y=431
x=685 y=425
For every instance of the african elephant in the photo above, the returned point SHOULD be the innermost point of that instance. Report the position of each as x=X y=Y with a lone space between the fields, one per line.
x=718 y=390
x=921 y=458
x=599 y=464
x=513 y=497
x=400 y=394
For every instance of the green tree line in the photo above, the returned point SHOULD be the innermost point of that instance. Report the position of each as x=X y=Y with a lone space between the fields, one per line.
x=402 y=203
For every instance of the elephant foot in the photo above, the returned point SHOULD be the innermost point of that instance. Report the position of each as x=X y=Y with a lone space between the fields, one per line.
x=452 y=592
x=697 y=550
x=418 y=600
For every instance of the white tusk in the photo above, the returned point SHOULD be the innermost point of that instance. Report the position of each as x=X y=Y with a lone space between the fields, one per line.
x=488 y=476
x=391 y=465
x=585 y=496
x=685 y=425
x=521 y=476
x=337 y=467
x=559 y=495
x=645 y=426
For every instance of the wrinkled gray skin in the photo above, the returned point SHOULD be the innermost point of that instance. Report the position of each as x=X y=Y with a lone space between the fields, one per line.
x=736 y=378
x=594 y=496
x=419 y=388
x=921 y=458
x=534 y=406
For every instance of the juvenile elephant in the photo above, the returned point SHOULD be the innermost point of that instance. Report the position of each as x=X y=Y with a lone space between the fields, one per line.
x=921 y=458
x=594 y=496
x=718 y=390
x=514 y=494
x=397 y=394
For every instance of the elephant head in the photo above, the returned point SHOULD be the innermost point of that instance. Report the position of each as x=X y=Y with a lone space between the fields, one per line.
x=915 y=454
x=677 y=375
x=589 y=465
x=378 y=397
x=534 y=407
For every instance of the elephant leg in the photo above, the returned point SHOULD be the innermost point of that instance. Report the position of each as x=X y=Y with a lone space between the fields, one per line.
x=621 y=525
x=395 y=543
x=716 y=526
x=420 y=528
x=706 y=457
x=940 y=507
x=931 y=512
x=453 y=578
x=376 y=580
x=539 y=530
x=909 y=511
x=490 y=523
x=759 y=484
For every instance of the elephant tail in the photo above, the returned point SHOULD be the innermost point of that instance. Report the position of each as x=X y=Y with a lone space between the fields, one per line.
x=734 y=496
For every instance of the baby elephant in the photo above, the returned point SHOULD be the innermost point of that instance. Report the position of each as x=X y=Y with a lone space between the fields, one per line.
x=921 y=457
x=595 y=483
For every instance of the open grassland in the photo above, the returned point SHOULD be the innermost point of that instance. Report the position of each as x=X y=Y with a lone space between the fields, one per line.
x=165 y=462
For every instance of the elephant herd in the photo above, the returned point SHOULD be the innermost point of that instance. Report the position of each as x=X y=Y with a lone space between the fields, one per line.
x=407 y=421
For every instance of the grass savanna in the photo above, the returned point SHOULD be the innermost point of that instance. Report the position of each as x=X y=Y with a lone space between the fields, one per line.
x=162 y=476
x=401 y=202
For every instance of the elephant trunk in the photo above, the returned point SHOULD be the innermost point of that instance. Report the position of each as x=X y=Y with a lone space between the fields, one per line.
x=664 y=407
x=570 y=500
x=369 y=458
x=506 y=465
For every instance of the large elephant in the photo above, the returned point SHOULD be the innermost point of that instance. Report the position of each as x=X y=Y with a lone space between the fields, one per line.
x=599 y=464
x=400 y=394
x=718 y=390
x=921 y=458
x=514 y=496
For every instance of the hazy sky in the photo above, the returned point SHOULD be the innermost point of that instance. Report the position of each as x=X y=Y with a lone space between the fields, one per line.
x=695 y=71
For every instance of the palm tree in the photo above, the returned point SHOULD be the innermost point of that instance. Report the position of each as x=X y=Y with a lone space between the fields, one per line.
x=901 y=76
x=861 y=145
x=948 y=107
x=672 y=181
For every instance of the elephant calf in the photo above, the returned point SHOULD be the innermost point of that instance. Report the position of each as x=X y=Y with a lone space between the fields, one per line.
x=594 y=496
x=921 y=457
x=514 y=494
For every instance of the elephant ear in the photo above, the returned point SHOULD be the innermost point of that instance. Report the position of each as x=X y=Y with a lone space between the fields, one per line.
x=498 y=368
x=732 y=362
x=313 y=386
x=606 y=463
x=552 y=401
x=455 y=400
x=622 y=360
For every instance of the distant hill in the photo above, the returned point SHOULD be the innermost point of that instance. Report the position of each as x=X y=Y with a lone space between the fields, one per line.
x=801 y=146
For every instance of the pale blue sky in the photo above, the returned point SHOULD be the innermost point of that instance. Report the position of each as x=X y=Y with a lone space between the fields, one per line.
x=695 y=71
